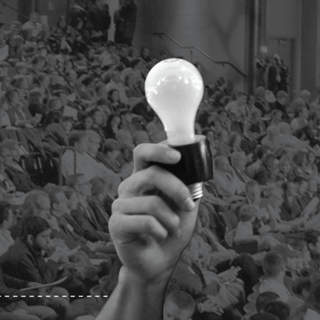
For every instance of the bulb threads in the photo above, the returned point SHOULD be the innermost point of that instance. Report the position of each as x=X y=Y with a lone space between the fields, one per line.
x=196 y=190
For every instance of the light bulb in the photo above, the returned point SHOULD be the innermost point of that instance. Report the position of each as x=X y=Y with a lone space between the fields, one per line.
x=174 y=89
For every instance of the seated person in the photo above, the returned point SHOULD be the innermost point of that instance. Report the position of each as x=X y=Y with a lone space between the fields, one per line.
x=24 y=258
x=6 y=222
x=17 y=305
x=178 y=304
x=274 y=272
x=84 y=215
x=244 y=229
x=55 y=136
x=19 y=176
x=265 y=174
x=210 y=293
x=86 y=164
x=99 y=196
x=95 y=250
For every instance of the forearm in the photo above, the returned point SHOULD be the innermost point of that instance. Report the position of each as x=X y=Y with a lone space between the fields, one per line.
x=135 y=300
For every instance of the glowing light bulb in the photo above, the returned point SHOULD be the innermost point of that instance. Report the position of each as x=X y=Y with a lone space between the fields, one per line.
x=174 y=89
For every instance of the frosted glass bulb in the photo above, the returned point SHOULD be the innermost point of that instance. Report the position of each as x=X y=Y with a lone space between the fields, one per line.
x=174 y=89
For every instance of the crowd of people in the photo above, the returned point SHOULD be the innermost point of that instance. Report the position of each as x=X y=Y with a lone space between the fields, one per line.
x=73 y=100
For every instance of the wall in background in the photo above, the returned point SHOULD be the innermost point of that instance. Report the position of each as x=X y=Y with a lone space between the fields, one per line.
x=53 y=9
x=9 y=14
x=214 y=26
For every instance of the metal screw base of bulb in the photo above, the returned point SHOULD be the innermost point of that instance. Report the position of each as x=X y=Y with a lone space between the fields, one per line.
x=196 y=190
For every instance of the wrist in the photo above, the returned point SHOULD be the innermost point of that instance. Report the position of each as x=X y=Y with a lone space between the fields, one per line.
x=155 y=284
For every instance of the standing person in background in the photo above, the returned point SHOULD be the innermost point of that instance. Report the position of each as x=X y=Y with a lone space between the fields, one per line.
x=125 y=21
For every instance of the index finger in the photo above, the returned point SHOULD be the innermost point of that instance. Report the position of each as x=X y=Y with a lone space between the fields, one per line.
x=146 y=154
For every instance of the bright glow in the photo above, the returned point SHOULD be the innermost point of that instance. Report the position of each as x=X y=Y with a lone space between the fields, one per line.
x=174 y=89
x=264 y=49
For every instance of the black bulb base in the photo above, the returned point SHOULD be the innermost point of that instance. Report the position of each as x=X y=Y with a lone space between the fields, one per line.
x=195 y=165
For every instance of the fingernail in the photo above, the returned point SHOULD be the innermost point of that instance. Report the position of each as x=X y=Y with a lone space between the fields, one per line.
x=174 y=155
x=189 y=204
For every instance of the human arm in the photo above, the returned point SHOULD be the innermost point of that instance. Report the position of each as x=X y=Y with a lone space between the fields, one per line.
x=152 y=222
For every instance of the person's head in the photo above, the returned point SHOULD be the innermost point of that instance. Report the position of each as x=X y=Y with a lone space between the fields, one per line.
x=303 y=112
x=6 y=156
x=247 y=213
x=290 y=189
x=300 y=158
x=222 y=164
x=54 y=103
x=125 y=138
x=72 y=197
x=99 y=118
x=102 y=91
x=301 y=185
x=140 y=136
x=253 y=191
x=239 y=160
x=94 y=142
x=13 y=97
x=178 y=305
x=269 y=161
x=99 y=188
x=145 y=52
x=274 y=195
x=305 y=95
x=130 y=80
x=282 y=97
x=123 y=51
x=260 y=93
x=59 y=202
x=115 y=76
x=301 y=287
x=79 y=140
x=276 y=115
x=312 y=238
x=273 y=265
x=80 y=184
x=112 y=148
x=272 y=132
x=37 y=203
x=234 y=140
x=6 y=215
x=126 y=116
x=114 y=95
x=72 y=76
x=241 y=98
x=66 y=124
x=223 y=136
x=113 y=122
x=311 y=157
x=279 y=309
x=34 y=17
x=264 y=298
x=284 y=165
x=36 y=233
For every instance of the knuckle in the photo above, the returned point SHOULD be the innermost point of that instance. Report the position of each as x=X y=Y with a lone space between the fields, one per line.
x=115 y=207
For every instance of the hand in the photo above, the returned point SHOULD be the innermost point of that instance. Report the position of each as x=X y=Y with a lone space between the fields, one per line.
x=154 y=217
x=211 y=305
